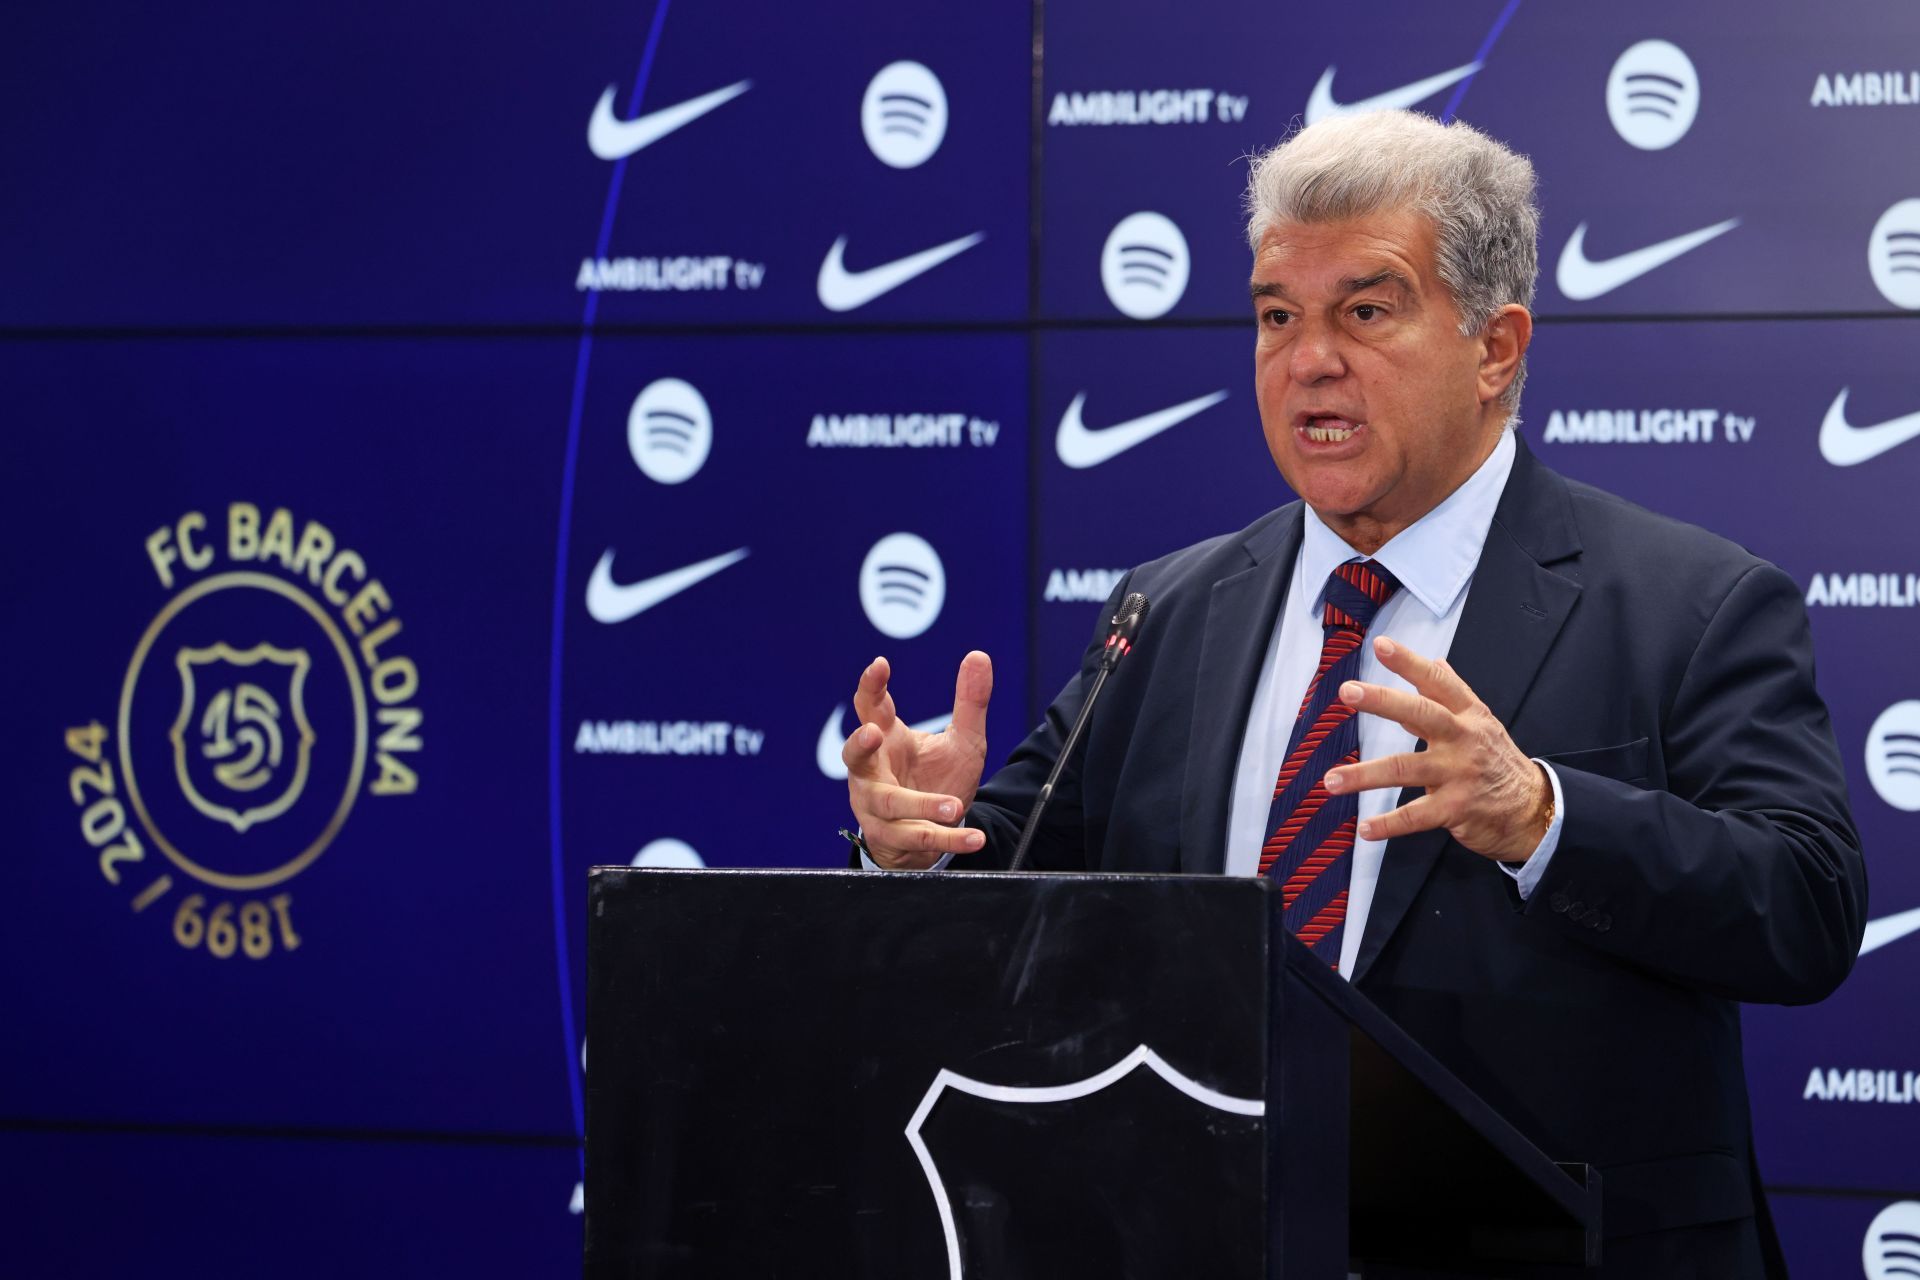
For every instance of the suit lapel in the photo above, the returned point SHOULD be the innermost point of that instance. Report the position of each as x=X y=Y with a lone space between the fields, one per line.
x=1515 y=609
x=1240 y=618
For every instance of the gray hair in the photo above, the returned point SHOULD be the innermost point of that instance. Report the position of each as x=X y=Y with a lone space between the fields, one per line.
x=1478 y=194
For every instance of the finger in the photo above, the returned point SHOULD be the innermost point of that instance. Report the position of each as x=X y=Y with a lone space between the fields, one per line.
x=891 y=803
x=1431 y=676
x=1421 y=716
x=861 y=754
x=971 y=689
x=871 y=701
x=1421 y=814
x=1407 y=769
x=924 y=837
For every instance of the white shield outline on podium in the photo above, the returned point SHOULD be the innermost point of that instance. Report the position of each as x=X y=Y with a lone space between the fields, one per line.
x=1141 y=1056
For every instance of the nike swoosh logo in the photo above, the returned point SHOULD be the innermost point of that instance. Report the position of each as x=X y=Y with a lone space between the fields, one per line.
x=608 y=601
x=844 y=290
x=1889 y=929
x=1081 y=447
x=826 y=753
x=1845 y=445
x=615 y=139
x=1321 y=106
x=1581 y=278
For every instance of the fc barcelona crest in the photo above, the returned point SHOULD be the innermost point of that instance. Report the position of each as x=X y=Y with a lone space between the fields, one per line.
x=242 y=741
x=212 y=795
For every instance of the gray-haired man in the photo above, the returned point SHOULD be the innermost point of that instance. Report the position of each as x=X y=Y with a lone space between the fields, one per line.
x=1572 y=797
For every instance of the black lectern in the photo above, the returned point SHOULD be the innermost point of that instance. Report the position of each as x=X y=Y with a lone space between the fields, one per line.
x=814 y=1073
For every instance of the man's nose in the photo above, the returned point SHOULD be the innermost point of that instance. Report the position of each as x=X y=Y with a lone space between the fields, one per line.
x=1315 y=355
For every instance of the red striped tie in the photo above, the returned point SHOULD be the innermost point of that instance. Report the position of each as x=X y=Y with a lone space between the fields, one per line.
x=1310 y=842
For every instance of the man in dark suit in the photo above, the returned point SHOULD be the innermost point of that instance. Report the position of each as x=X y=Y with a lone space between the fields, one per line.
x=1624 y=722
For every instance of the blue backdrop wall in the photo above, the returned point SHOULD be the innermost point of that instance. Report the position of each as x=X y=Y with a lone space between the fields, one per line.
x=421 y=421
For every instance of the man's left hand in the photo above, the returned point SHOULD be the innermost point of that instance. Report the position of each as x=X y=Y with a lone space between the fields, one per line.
x=1479 y=786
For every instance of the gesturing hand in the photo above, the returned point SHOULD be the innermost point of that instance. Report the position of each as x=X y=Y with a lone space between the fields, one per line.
x=908 y=788
x=1480 y=786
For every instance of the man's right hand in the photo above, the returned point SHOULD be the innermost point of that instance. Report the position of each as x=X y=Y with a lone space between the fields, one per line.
x=909 y=788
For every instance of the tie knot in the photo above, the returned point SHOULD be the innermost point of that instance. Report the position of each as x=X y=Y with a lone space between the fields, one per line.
x=1355 y=592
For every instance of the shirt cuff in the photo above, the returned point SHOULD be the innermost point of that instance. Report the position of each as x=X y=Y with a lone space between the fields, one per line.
x=941 y=865
x=1527 y=874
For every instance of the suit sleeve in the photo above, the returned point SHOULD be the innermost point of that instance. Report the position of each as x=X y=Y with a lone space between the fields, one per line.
x=1744 y=877
x=1002 y=804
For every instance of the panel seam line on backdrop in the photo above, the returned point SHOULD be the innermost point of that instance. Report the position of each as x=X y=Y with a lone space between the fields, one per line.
x=281 y=1133
x=804 y=328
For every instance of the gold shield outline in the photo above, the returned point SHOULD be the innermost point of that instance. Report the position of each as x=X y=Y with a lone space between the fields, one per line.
x=186 y=659
x=355 y=686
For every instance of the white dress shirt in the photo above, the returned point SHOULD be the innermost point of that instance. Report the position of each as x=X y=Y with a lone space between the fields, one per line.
x=1434 y=559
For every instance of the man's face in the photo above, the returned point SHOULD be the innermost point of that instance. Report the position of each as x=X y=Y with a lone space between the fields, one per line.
x=1371 y=399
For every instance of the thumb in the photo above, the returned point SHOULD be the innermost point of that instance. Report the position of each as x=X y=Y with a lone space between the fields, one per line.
x=971 y=690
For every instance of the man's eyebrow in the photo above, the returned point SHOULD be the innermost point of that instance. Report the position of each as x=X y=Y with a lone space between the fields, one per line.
x=1354 y=284
x=1348 y=284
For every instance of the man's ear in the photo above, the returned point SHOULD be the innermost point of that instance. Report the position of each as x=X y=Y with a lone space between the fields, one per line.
x=1502 y=343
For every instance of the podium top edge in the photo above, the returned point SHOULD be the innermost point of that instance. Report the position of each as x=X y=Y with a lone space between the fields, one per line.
x=1258 y=884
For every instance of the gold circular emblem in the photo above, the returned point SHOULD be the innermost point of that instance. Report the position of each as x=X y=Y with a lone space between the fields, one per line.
x=200 y=590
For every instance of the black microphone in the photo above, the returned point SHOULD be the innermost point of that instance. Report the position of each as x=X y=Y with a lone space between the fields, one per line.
x=1121 y=633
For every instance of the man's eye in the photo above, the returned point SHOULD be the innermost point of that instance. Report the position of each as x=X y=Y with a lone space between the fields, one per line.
x=1276 y=318
x=1366 y=311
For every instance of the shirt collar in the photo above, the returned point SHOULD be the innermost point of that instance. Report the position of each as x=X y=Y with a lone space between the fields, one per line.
x=1434 y=557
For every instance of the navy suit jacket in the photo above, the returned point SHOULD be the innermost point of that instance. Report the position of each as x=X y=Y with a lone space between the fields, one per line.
x=1708 y=854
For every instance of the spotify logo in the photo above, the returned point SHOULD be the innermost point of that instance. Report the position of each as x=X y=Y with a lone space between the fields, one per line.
x=904 y=115
x=669 y=430
x=1893 y=255
x=1893 y=756
x=1892 y=1247
x=1653 y=95
x=1144 y=265
x=902 y=585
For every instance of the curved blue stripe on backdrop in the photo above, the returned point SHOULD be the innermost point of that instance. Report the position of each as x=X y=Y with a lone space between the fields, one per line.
x=1486 y=48
x=563 y=542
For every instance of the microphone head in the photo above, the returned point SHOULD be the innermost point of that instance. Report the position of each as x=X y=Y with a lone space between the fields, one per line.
x=1125 y=626
x=1131 y=617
